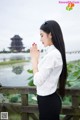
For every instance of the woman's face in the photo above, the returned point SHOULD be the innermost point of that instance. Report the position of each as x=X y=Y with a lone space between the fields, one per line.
x=46 y=38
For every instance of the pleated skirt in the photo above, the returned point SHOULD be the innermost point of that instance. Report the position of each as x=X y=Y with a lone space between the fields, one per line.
x=49 y=107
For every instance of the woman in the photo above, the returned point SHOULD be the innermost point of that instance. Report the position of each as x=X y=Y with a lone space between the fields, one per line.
x=51 y=72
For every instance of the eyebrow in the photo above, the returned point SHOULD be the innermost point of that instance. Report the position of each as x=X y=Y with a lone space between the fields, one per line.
x=40 y=33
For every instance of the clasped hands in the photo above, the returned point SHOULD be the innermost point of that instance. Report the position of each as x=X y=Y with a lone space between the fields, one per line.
x=34 y=52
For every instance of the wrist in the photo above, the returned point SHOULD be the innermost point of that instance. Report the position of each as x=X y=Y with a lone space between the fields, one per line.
x=34 y=61
x=35 y=68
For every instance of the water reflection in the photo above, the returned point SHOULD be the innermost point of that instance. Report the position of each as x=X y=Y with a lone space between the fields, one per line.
x=17 y=57
x=17 y=69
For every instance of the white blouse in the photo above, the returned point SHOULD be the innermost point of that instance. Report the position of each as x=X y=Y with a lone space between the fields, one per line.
x=49 y=70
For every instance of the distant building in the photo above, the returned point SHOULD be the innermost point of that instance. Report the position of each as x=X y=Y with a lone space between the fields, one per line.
x=16 y=44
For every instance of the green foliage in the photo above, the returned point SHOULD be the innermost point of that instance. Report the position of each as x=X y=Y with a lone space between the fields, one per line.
x=31 y=100
x=30 y=71
x=14 y=116
x=14 y=99
x=73 y=79
x=67 y=100
x=31 y=83
x=30 y=79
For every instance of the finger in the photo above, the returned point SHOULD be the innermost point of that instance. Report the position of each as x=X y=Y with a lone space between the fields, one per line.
x=33 y=48
x=34 y=44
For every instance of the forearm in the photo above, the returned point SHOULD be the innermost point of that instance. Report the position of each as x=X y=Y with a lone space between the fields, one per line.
x=34 y=65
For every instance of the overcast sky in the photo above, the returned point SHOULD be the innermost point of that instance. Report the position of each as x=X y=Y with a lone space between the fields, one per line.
x=24 y=17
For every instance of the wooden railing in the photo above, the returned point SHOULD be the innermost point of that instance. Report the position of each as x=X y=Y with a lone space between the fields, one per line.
x=71 y=112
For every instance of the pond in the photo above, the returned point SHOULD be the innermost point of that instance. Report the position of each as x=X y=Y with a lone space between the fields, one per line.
x=17 y=75
x=14 y=75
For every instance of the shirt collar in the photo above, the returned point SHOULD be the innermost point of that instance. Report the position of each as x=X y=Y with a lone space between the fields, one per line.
x=50 y=48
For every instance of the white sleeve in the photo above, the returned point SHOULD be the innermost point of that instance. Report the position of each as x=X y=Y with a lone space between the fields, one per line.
x=43 y=74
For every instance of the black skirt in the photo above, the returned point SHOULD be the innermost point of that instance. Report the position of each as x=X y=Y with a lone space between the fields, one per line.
x=49 y=107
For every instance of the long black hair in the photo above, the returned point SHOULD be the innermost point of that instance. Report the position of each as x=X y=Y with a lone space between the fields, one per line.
x=53 y=27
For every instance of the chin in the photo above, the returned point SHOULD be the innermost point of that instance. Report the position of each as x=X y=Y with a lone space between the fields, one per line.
x=45 y=45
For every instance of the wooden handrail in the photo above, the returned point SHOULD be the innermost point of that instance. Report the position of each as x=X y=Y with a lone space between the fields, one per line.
x=27 y=110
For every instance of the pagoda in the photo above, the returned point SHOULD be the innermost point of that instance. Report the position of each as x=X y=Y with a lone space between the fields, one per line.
x=16 y=44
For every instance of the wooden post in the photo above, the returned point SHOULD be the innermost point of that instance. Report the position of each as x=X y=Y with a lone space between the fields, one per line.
x=24 y=97
x=75 y=105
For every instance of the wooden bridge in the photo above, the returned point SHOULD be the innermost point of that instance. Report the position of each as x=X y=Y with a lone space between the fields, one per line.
x=27 y=111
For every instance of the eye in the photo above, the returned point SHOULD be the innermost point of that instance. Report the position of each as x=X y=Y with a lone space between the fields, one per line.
x=41 y=35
